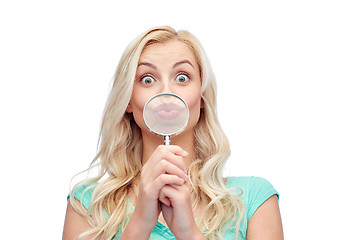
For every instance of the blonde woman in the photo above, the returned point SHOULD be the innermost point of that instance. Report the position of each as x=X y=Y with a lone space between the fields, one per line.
x=146 y=190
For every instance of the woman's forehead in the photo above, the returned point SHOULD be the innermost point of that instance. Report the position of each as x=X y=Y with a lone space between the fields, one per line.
x=174 y=47
x=172 y=50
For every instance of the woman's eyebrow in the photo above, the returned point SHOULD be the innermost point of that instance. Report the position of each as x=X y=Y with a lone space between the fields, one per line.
x=147 y=64
x=182 y=62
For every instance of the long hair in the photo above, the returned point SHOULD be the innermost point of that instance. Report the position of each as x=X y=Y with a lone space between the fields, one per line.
x=120 y=151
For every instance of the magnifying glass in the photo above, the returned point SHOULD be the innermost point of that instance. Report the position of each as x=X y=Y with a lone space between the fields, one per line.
x=166 y=115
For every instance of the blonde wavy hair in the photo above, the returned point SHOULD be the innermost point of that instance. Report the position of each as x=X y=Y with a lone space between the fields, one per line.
x=120 y=152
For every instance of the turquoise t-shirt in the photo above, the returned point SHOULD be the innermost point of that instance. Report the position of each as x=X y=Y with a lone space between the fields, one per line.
x=256 y=191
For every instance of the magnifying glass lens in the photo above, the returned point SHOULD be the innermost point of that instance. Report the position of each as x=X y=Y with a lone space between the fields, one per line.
x=166 y=114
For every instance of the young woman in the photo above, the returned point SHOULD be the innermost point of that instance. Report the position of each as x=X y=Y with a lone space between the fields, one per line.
x=149 y=190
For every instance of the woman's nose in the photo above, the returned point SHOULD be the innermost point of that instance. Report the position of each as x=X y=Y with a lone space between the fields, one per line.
x=166 y=87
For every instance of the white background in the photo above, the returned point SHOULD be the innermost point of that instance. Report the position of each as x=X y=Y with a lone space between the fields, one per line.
x=281 y=78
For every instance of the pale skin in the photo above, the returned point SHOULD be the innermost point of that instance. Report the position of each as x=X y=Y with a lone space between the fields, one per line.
x=164 y=188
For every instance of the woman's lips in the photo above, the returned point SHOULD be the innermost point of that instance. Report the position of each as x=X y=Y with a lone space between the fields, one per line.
x=168 y=114
x=168 y=111
x=168 y=107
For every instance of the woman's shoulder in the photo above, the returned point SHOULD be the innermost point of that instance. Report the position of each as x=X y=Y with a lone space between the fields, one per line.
x=254 y=191
x=247 y=182
x=83 y=193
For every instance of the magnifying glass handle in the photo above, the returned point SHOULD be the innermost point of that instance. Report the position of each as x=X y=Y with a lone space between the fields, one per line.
x=167 y=140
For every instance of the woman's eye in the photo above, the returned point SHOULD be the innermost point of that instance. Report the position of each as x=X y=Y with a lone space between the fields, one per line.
x=182 y=78
x=147 y=79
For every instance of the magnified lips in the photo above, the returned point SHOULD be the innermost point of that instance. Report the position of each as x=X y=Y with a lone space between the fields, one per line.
x=167 y=114
x=168 y=107
x=168 y=111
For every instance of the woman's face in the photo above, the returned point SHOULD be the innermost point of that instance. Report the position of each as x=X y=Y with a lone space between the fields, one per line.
x=168 y=67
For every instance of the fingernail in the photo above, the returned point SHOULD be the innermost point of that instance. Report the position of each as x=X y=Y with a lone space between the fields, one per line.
x=186 y=177
x=185 y=153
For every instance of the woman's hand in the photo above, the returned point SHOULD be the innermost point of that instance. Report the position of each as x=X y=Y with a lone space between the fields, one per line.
x=178 y=213
x=164 y=167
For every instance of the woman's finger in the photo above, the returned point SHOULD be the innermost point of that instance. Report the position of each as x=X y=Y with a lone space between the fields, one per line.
x=166 y=167
x=165 y=200
x=173 y=154
x=165 y=179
